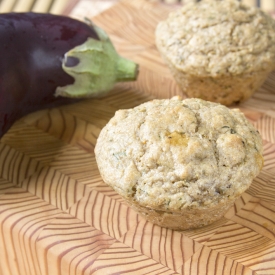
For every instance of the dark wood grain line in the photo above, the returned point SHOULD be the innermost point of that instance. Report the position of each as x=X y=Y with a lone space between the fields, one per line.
x=266 y=127
x=267 y=271
x=223 y=259
x=151 y=241
x=65 y=182
x=157 y=270
x=142 y=238
x=104 y=203
x=87 y=258
x=258 y=255
x=65 y=126
x=182 y=250
x=234 y=248
x=20 y=220
x=6 y=152
x=27 y=168
x=94 y=203
x=263 y=187
x=170 y=237
x=26 y=184
x=208 y=261
x=84 y=212
x=199 y=259
x=134 y=261
x=16 y=175
x=113 y=252
x=133 y=239
x=98 y=247
x=58 y=241
x=49 y=180
x=119 y=210
x=55 y=230
x=271 y=127
x=5 y=186
x=75 y=160
x=231 y=233
x=73 y=226
x=167 y=252
x=117 y=224
x=50 y=183
x=167 y=237
x=49 y=120
x=261 y=261
x=29 y=202
x=38 y=226
x=127 y=97
x=86 y=143
x=113 y=228
x=231 y=268
x=256 y=223
x=5 y=252
x=269 y=162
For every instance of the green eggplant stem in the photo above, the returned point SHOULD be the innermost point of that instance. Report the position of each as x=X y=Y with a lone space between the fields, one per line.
x=98 y=69
x=127 y=70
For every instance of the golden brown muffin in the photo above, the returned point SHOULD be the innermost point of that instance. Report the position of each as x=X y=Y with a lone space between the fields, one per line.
x=179 y=163
x=220 y=51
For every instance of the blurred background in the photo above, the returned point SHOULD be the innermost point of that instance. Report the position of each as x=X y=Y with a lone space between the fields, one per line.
x=65 y=6
x=53 y=6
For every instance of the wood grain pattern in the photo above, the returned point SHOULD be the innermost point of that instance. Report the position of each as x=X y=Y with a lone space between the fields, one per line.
x=58 y=217
x=52 y=6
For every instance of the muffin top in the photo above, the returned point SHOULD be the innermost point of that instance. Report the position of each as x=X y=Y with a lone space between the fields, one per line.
x=177 y=154
x=217 y=38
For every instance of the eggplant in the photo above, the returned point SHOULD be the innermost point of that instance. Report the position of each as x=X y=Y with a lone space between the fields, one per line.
x=48 y=60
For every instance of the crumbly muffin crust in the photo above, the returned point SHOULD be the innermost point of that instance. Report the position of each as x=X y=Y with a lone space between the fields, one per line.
x=218 y=38
x=175 y=158
x=220 y=51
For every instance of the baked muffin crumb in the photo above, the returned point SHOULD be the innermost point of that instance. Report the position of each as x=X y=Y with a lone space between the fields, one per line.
x=220 y=51
x=170 y=158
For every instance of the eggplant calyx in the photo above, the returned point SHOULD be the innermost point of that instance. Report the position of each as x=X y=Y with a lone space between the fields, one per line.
x=98 y=68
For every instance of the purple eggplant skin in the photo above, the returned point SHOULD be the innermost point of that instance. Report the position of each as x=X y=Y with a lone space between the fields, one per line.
x=32 y=48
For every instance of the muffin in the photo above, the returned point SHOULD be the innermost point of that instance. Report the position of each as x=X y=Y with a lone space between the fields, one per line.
x=221 y=51
x=179 y=163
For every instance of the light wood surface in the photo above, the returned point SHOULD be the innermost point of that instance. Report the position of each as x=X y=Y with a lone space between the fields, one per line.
x=58 y=217
x=95 y=6
x=52 y=6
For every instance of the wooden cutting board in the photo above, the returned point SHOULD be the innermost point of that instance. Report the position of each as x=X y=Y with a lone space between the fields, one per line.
x=58 y=217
